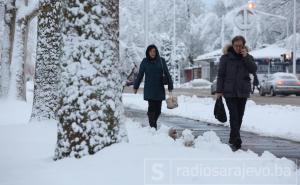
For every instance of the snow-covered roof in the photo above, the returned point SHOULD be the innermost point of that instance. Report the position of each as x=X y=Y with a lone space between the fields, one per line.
x=192 y=67
x=210 y=55
x=272 y=51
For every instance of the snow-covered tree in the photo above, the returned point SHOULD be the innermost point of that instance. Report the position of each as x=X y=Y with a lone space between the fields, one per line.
x=7 y=44
x=180 y=56
x=131 y=25
x=166 y=50
x=25 y=13
x=266 y=30
x=47 y=68
x=181 y=59
x=132 y=43
x=131 y=56
x=160 y=23
x=90 y=108
x=272 y=28
x=31 y=50
x=2 y=9
x=17 y=88
x=160 y=18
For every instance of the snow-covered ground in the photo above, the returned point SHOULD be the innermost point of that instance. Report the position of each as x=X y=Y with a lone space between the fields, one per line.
x=269 y=120
x=17 y=112
x=149 y=157
x=197 y=84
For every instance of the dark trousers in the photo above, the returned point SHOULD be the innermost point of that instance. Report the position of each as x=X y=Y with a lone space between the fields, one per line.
x=236 y=107
x=154 y=110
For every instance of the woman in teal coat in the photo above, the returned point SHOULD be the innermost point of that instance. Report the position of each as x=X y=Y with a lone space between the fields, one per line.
x=153 y=67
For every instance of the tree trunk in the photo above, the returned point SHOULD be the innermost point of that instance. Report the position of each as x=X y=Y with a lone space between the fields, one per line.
x=2 y=9
x=7 y=46
x=17 y=81
x=47 y=69
x=17 y=86
x=90 y=101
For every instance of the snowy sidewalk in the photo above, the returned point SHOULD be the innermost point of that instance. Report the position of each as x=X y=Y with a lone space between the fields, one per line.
x=267 y=120
x=256 y=143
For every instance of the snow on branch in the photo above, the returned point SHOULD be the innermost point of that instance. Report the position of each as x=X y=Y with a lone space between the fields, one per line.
x=28 y=12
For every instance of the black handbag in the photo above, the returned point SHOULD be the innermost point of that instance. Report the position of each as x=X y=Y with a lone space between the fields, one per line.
x=164 y=77
x=219 y=110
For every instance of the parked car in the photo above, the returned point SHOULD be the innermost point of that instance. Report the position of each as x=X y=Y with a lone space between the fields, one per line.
x=213 y=87
x=279 y=83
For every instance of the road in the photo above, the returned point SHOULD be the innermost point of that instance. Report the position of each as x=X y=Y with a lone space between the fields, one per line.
x=277 y=100
x=258 y=144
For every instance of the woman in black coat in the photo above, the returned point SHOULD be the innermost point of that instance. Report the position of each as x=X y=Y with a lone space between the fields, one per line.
x=153 y=66
x=234 y=83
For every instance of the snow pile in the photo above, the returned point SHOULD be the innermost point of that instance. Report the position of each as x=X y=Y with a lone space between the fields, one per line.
x=197 y=84
x=276 y=120
x=188 y=138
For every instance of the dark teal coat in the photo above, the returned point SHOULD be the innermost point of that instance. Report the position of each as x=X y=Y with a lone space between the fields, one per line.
x=152 y=69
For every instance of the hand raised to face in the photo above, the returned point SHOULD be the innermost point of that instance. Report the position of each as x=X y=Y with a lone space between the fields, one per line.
x=244 y=52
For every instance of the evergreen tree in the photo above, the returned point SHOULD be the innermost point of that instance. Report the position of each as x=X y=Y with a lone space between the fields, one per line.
x=90 y=107
x=47 y=69
x=166 y=50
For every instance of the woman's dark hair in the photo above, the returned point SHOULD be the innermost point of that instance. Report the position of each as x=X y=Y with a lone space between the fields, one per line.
x=238 y=38
x=152 y=46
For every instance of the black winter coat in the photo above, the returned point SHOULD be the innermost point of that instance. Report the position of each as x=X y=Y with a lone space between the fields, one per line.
x=153 y=87
x=233 y=78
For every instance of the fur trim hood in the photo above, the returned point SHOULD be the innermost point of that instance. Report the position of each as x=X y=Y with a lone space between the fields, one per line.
x=227 y=47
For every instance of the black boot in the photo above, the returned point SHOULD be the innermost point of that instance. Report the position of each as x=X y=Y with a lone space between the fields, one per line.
x=235 y=143
x=157 y=114
x=235 y=139
x=152 y=119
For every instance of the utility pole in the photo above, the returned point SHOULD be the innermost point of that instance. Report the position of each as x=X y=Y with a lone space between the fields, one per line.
x=174 y=46
x=294 y=40
x=146 y=22
x=222 y=32
x=245 y=21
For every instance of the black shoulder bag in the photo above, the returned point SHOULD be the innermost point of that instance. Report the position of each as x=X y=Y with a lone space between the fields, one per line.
x=164 y=77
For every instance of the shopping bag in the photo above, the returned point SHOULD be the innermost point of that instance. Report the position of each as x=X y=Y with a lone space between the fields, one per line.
x=172 y=102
